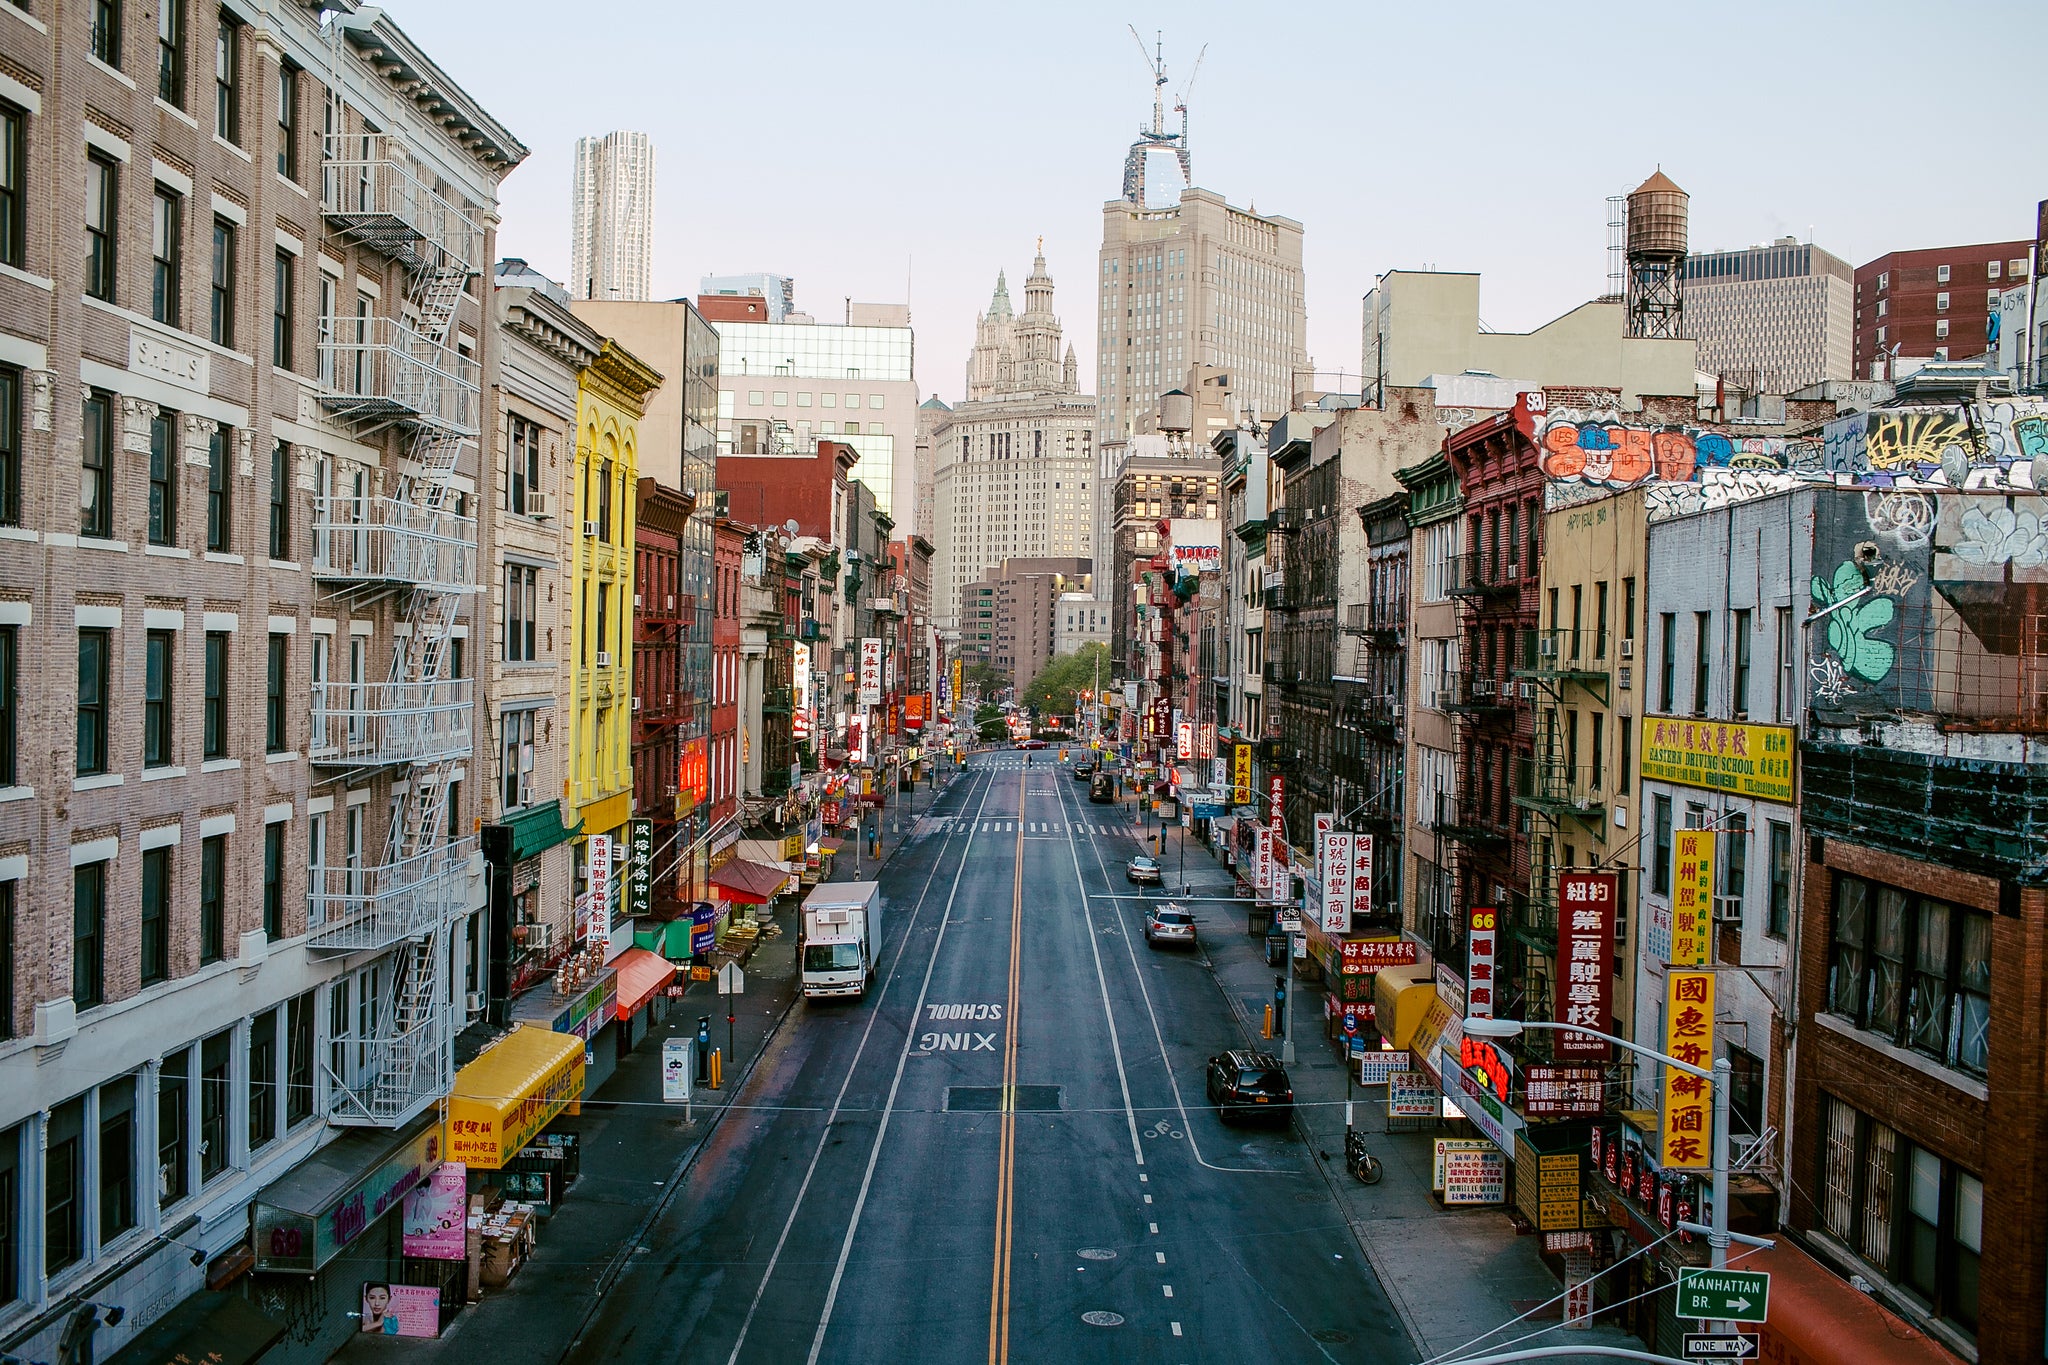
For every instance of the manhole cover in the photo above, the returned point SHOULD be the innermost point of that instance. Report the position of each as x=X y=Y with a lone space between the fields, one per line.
x=1096 y=1254
x=1101 y=1317
x=1331 y=1336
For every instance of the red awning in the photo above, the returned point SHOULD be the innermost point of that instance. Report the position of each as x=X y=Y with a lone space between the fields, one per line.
x=748 y=883
x=1819 y=1318
x=641 y=974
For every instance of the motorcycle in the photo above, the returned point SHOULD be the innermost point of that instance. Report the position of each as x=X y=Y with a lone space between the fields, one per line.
x=1359 y=1161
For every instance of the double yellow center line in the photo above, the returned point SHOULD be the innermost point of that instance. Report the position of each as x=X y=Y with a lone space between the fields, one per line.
x=1006 y=1151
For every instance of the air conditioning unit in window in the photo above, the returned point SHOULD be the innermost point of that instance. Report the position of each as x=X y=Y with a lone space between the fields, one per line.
x=1727 y=909
x=1397 y=710
x=473 y=1002
x=540 y=937
x=636 y=601
x=1546 y=648
x=539 y=505
x=1628 y=649
x=636 y=703
x=604 y=659
x=590 y=529
x=1528 y=691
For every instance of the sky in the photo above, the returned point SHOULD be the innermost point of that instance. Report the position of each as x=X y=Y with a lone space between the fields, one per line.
x=884 y=152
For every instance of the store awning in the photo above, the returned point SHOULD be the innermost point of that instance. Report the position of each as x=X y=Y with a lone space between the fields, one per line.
x=828 y=844
x=749 y=883
x=1819 y=1318
x=1401 y=996
x=304 y=1218
x=511 y=1092
x=641 y=974
x=536 y=830
x=215 y=1326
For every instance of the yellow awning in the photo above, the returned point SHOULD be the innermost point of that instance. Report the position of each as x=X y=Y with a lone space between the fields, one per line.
x=510 y=1093
x=1401 y=996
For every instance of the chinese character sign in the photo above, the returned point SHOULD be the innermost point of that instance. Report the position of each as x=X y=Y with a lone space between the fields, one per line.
x=1479 y=945
x=599 y=851
x=870 y=671
x=1692 y=897
x=800 y=682
x=1336 y=874
x=957 y=668
x=1585 y=948
x=1686 y=1136
x=1241 y=774
x=1184 y=740
x=1262 y=861
x=1361 y=877
x=1205 y=741
x=640 y=868
x=1276 y=798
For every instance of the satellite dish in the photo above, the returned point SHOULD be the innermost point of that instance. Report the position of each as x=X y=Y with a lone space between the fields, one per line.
x=790 y=526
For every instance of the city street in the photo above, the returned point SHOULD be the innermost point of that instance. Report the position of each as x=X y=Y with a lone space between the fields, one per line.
x=1005 y=1152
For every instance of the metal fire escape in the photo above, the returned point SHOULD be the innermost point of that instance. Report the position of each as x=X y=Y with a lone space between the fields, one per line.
x=413 y=546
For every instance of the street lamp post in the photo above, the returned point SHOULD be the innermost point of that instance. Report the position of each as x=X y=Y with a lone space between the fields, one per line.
x=1718 y=1236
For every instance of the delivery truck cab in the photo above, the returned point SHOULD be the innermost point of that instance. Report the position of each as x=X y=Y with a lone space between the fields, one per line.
x=842 y=937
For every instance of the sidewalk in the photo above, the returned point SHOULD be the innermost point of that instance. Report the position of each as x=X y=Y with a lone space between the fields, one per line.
x=1452 y=1274
x=636 y=1150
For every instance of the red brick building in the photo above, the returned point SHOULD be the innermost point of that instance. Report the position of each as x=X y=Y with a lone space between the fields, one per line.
x=770 y=490
x=660 y=696
x=1931 y=304
x=729 y=538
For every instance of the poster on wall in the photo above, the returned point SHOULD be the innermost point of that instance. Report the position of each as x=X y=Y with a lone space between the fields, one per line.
x=436 y=1214
x=400 y=1310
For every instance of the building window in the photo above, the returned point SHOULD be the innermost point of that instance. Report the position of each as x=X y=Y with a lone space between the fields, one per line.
x=106 y=31
x=163 y=478
x=1746 y=1091
x=227 y=91
x=288 y=122
x=298 y=1076
x=7 y=938
x=1734 y=841
x=219 y=489
x=1625 y=777
x=173 y=1119
x=1787 y=661
x=215 y=726
x=156 y=915
x=281 y=311
x=1660 y=849
x=221 y=292
x=101 y=195
x=1667 y=663
x=522 y=465
x=88 y=934
x=96 y=482
x=1914 y=1217
x=216 y=1143
x=517 y=759
x=604 y=500
x=117 y=1158
x=262 y=1080
x=1779 y=923
x=1738 y=702
x=213 y=858
x=1941 y=274
x=13 y=210
x=273 y=695
x=273 y=880
x=170 y=52
x=1912 y=969
x=522 y=613
x=280 y=502
x=94 y=647
x=160 y=657
x=1702 y=659
x=64 y=1186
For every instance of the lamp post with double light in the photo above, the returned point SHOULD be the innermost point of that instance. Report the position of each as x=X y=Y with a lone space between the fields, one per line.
x=1718 y=1236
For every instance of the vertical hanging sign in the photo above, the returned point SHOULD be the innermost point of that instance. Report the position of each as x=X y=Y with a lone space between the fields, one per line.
x=598 y=852
x=1361 y=879
x=640 y=868
x=1479 y=961
x=1241 y=774
x=1692 y=897
x=1585 y=946
x=1684 y=1140
x=871 y=671
x=1336 y=872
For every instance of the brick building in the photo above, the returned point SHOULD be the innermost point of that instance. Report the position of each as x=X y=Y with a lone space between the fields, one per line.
x=1931 y=304
x=724 y=755
x=240 y=895
x=661 y=690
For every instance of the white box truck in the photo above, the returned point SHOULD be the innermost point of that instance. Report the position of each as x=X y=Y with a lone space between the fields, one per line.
x=842 y=938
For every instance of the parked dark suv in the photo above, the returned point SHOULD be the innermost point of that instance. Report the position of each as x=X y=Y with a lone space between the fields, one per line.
x=1247 y=1084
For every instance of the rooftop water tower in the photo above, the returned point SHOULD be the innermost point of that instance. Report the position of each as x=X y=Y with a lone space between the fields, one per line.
x=1657 y=216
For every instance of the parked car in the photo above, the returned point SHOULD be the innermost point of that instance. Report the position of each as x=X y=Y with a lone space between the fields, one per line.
x=1246 y=1084
x=1031 y=744
x=1142 y=871
x=1170 y=924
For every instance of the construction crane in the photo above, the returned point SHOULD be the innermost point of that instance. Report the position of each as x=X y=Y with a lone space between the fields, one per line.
x=1156 y=138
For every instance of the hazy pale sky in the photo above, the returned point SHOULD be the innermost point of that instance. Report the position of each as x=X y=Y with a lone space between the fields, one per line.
x=866 y=150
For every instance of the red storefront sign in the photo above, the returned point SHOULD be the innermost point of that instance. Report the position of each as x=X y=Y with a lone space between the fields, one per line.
x=1551 y=1092
x=1585 y=948
x=693 y=776
x=1371 y=954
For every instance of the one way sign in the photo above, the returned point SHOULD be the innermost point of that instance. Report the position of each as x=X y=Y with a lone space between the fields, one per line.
x=1719 y=1346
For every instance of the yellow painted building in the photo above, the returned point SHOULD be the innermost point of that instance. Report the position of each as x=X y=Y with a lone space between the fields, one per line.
x=611 y=397
x=1585 y=663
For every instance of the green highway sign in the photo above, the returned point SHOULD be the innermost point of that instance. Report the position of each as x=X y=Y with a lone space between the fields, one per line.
x=1724 y=1295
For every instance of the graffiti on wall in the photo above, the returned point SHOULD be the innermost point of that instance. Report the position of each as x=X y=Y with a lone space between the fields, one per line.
x=1871 y=601
x=2000 y=444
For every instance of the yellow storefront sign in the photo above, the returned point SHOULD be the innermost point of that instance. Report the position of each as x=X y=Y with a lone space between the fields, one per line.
x=1241 y=774
x=1685 y=1137
x=1692 y=896
x=511 y=1092
x=1744 y=760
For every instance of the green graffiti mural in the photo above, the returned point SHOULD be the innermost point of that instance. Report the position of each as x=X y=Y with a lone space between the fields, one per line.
x=1852 y=629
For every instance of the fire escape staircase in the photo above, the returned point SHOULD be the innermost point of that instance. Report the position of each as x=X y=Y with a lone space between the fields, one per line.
x=413 y=544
